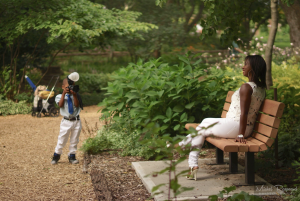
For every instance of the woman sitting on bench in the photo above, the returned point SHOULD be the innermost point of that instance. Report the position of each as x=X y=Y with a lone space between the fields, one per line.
x=241 y=116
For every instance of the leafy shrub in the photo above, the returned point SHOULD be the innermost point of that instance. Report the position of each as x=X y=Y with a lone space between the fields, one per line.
x=90 y=83
x=113 y=137
x=168 y=95
x=24 y=97
x=9 y=107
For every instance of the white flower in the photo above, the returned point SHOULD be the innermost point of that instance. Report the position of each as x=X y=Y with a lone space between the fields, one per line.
x=241 y=64
x=292 y=44
x=297 y=52
x=288 y=55
x=261 y=49
x=238 y=39
x=229 y=48
x=258 y=45
x=253 y=54
x=218 y=67
x=245 y=53
x=225 y=61
x=233 y=55
x=256 y=38
x=265 y=44
x=261 y=37
x=219 y=53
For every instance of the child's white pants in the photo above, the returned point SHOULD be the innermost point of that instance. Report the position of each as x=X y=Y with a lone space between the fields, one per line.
x=66 y=128
x=225 y=128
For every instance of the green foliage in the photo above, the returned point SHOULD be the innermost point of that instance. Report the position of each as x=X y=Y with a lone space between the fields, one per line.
x=90 y=83
x=170 y=96
x=9 y=107
x=115 y=137
x=27 y=97
x=59 y=23
x=242 y=196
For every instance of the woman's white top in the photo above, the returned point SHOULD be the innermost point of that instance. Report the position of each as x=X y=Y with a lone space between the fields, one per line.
x=234 y=111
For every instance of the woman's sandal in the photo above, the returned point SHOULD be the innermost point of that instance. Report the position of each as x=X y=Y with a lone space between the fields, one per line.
x=193 y=173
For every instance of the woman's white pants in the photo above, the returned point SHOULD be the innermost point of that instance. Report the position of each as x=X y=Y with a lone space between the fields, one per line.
x=66 y=128
x=225 y=128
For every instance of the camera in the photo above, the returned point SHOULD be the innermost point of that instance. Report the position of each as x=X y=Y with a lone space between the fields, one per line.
x=74 y=88
x=73 y=77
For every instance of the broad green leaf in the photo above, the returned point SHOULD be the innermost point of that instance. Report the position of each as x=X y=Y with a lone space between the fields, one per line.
x=183 y=117
x=169 y=113
x=120 y=106
x=176 y=127
x=178 y=108
x=190 y=105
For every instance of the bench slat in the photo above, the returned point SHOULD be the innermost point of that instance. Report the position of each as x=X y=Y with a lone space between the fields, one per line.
x=262 y=146
x=241 y=147
x=248 y=147
x=226 y=106
x=273 y=108
x=269 y=120
x=266 y=130
x=224 y=114
x=262 y=138
x=229 y=95
x=223 y=144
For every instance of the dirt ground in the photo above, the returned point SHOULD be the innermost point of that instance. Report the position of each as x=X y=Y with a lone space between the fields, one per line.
x=26 y=147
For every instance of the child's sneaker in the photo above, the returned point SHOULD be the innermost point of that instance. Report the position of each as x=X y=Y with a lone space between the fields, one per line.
x=55 y=158
x=72 y=159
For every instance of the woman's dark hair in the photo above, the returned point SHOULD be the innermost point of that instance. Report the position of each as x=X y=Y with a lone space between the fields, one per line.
x=259 y=66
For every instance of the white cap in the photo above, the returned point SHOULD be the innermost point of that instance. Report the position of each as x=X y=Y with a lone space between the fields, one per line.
x=74 y=76
x=26 y=76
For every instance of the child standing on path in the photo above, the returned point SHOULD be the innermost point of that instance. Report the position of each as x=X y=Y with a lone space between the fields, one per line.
x=69 y=105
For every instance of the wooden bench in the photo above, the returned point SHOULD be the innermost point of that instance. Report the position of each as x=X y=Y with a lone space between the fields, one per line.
x=264 y=133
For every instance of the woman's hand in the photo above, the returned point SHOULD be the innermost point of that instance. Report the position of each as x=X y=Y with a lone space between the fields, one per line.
x=241 y=140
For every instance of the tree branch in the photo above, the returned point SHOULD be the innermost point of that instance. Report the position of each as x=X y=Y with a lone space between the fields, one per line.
x=196 y=19
x=189 y=15
x=52 y=60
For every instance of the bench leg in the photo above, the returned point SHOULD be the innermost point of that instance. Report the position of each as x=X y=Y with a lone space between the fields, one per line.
x=233 y=162
x=219 y=156
x=249 y=168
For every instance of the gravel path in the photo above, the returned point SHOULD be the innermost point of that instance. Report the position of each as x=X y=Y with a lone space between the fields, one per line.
x=26 y=148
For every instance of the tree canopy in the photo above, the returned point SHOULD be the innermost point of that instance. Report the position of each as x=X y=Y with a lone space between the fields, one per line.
x=65 y=21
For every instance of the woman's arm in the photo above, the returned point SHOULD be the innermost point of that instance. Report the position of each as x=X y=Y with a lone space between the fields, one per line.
x=245 y=100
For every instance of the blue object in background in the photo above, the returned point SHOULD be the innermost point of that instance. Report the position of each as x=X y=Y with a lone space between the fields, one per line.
x=30 y=83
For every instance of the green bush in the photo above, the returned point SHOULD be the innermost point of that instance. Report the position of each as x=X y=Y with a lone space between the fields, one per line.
x=114 y=137
x=169 y=95
x=9 y=107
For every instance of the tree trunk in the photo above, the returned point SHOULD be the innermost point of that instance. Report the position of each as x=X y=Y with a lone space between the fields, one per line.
x=270 y=43
x=292 y=14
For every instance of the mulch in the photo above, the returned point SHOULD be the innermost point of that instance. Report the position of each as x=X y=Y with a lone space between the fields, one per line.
x=113 y=178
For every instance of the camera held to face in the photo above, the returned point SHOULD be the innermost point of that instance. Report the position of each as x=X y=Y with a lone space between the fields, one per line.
x=73 y=77
x=74 y=88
